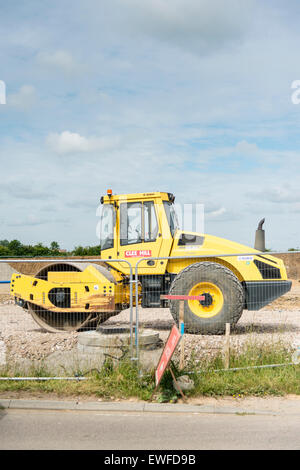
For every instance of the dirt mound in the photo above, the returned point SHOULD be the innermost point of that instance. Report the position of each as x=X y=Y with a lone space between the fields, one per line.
x=291 y=261
x=292 y=264
x=34 y=267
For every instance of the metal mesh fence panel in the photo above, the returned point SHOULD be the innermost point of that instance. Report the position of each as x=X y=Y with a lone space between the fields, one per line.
x=46 y=305
x=252 y=295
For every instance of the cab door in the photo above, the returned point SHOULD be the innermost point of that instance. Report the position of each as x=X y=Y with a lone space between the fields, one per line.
x=140 y=233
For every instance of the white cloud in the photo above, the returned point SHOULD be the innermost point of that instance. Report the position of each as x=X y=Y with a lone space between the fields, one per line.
x=296 y=208
x=217 y=213
x=25 y=98
x=246 y=148
x=68 y=142
x=59 y=59
x=278 y=195
x=200 y=26
x=71 y=142
x=29 y=220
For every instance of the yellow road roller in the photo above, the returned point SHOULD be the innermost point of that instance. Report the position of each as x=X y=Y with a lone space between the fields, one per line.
x=139 y=228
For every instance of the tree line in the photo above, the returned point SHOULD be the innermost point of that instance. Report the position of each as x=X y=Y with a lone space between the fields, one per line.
x=16 y=249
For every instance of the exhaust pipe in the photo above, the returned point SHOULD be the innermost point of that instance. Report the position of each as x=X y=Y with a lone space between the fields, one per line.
x=260 y=237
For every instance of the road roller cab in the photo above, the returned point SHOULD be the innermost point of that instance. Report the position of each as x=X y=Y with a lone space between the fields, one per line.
x=137 y=226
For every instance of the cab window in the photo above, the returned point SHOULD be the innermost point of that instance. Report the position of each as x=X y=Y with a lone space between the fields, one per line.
x=138 y=223
x=107 y=227
x=150 y=222
x=171 y=217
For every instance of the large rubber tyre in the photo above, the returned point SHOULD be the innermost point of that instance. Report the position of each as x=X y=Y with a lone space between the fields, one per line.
x=224 y=298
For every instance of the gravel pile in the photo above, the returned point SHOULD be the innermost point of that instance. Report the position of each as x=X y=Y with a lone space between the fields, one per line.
x=23 y=338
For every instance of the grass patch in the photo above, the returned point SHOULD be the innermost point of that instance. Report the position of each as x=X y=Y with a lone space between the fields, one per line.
x=211 y=380
x=108 y=383
x=124 y=381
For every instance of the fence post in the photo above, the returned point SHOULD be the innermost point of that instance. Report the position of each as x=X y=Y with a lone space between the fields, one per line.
x=181 y=329
x=227 y=346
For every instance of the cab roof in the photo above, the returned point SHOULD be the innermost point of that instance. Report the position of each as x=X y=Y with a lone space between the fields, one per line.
x=137 y=197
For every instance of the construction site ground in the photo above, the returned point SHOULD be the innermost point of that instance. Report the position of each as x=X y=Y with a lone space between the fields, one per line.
x=280 y=320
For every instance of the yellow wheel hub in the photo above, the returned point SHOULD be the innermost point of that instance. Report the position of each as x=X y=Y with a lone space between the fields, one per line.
x=213 y=302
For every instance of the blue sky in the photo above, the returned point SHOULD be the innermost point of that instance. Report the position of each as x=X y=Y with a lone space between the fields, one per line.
x=191 y=97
